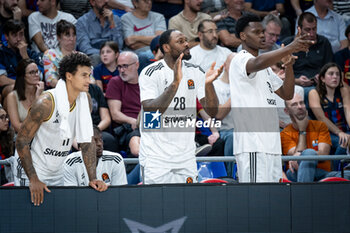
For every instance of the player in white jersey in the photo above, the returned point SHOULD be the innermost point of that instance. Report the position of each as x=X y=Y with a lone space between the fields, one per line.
x=168 y=91
x=110 y=166
x=45 y=137
x=257 y=144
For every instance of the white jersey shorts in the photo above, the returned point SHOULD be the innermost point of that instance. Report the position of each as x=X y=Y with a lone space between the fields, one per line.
x=160 y=175
x=255 y=167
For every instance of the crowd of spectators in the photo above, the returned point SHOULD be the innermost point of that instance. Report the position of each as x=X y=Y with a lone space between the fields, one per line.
x=122 y=37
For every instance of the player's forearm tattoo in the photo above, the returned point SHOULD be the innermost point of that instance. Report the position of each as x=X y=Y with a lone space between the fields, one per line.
x=89 y=154
x=38 y=113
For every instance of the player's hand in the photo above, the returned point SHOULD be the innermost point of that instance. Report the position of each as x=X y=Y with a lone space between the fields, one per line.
x=293 y=166
x=98 y=185
x=211 y=75
x=300 y=42
x=178 y=69
x=37 y=188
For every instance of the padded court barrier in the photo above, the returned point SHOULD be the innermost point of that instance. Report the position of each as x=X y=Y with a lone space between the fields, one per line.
x=316 y=207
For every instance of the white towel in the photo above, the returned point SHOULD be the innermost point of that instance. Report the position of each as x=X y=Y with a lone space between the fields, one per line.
x=83 y=123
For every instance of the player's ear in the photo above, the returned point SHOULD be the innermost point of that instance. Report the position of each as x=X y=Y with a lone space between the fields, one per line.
x=242 y=35
x=166 y=48
x=69 y=76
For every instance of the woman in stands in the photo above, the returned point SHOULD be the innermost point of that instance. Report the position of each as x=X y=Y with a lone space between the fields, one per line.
x=330 y=103
x=66 y=36
x=27 y=88
x=6 y=141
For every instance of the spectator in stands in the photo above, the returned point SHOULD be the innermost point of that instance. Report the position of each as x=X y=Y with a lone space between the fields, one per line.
x=107 y=69
x=227 y=25
x=10 y=55
x=6 y=141
x=171 y=86
x=101 y=117
x=225 y=114
x=207 y=51
x=140 y=26
x=309 y=63
x=272 y=30
x=329 y=103
x=27 y=88
x=96 y=27
x=342 y=58
x=42 y=25
x=187 y=21
x=302 y=138
x=66 y=36
x=8 y=10
x=110 y=166
x=123 y=98
x=265 y=7
x=329 y=24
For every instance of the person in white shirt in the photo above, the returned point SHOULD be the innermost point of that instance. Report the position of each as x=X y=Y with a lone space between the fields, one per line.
x=110 y=166
x=257 y=144
x=168 y=91
x=42 y=25
x=207 y=51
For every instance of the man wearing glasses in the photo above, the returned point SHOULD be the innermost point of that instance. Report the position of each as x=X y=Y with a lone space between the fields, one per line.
x=208 y=51
x=123 y=98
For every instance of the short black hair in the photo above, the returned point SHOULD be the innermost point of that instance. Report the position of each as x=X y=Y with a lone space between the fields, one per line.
x=71 y=62
x=13 y=26
x=63 y=27
x=165 y=39
x=309 y=17
x=243 y=22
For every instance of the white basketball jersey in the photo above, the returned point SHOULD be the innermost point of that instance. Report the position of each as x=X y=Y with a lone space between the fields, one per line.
x=110 y=169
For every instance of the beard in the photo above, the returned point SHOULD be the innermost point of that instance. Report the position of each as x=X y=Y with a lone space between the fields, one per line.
x=187 y=57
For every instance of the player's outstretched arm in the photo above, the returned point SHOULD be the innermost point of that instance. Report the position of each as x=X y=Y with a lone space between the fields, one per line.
x=88 y=151
x=162 y=102
x=40 y=110
x=300 y=43
x=210 y=102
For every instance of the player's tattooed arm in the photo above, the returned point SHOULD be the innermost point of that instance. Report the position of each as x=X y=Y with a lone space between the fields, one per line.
x=88 y=151
x=163 y=101
x=39 y=111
